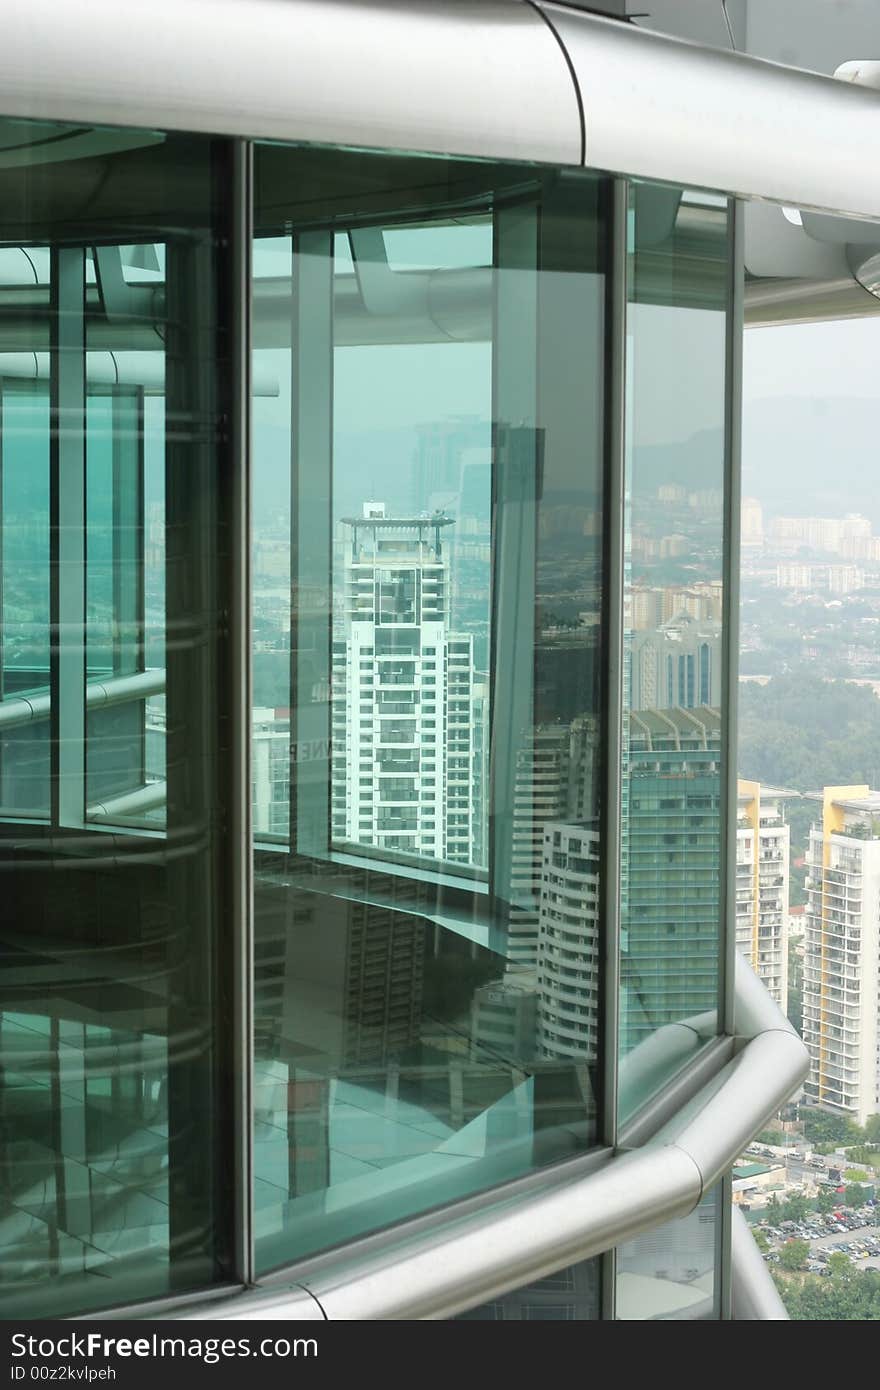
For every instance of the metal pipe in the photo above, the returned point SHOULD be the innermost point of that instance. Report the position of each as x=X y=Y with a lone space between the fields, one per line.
x=115 y=690
x=136 y=803
x=755 y=1296
x=580 y=1212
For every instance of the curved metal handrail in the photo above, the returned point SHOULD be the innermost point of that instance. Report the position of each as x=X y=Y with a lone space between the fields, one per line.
x=455 y=1263
x=755 y=1296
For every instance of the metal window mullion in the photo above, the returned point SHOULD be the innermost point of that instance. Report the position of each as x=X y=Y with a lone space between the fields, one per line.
x=311 y=542
x=515 y=447
x=613 y=692
x=127 y=415
x=241 y=608
x=67 y=509
x=730 y=683
x=2 y=571
x=730 y=617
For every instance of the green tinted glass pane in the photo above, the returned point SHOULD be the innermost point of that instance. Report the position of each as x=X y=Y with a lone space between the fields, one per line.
x=428 y=376
x=672 y=824
x=671 y=1274
x=113 y=790
x=24 y=587
x=569 y=1295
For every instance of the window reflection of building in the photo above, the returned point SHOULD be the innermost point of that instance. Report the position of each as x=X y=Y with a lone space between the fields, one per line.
x=568 y=949
x=570 y=1295
x=669 y=1274
x=403 y=695
x=677 y=664
x=673 y=853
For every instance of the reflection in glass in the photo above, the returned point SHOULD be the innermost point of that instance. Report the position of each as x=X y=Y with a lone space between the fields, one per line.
x=427 y=580
x=570 y=1295
x=671 y=1274
x=24 y=587
x=111 y=775
x=672 y=727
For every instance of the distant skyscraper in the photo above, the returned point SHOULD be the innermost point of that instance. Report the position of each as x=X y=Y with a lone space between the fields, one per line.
x=676 y=665
x=842 y=954
x=762 y=848
x=751 y=522
x=403 y=694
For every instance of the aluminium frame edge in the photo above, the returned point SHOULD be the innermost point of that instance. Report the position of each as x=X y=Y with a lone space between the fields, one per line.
x=613 y=565
x=241 y=816
x=730 y=679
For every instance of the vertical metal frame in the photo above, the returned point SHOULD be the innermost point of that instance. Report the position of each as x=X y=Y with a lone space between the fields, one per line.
x=730 y=680
x=241 y=828
x=613 y=691
x=514 y=513
x=730 y=614
x=128 y=531
x=2 y=572
x=67 y=515
x=311 y=541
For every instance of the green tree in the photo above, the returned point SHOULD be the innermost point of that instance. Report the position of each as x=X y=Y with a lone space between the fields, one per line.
x=794 y=1254
x=772 y=1136
x=856 y=1196
x=855 y=1298
x=840 y=1265
x=761 y=1241
x=822 y=1128
x=795 y=1207
x=826 y=1201
x=865 y=1153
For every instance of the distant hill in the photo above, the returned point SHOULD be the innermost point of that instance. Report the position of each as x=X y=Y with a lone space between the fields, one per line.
x=812 y=457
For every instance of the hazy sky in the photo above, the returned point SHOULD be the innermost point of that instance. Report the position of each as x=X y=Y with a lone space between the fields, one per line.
x=814 y=360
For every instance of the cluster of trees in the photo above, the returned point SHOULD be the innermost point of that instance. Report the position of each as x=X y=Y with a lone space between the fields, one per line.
x=850 y=1295
x=803 y=732
x=796 y=1206
x=826 y=1131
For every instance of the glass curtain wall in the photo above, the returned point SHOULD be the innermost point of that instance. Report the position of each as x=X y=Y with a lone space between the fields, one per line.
x=428 y=465
x=113 y=780
x=429 y=462
x=673 y=722
x=672 y=1274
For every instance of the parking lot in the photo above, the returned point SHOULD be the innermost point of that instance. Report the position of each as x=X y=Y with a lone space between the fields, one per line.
x=854 y=1233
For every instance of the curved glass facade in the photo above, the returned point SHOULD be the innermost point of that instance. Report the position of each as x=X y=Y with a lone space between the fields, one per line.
x=367 y=528
x=114 y=774
x=427 y=722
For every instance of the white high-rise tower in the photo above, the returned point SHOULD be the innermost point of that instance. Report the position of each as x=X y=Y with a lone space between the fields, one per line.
x=403 y=694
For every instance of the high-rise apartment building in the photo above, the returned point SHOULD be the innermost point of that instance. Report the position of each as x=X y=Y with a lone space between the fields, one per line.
x=842 y=954
x=762 y=869
x=818 y=532
x=403 y=694
x=751 y=522
x=307 y=1014
x=569 y=996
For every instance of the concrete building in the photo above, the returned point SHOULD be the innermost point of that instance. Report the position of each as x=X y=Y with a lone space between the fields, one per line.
x=677 y=664
x=842 y=954
x=403 y=694
x=762 y=855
